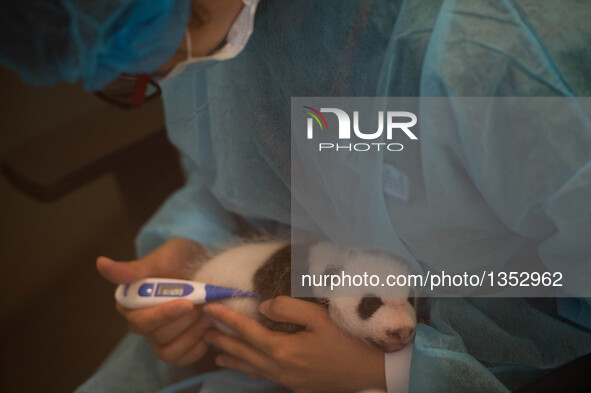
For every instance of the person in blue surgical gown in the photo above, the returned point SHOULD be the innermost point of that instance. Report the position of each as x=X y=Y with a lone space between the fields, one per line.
x=227 y=105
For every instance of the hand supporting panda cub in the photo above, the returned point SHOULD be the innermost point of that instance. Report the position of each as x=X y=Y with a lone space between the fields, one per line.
x=320 y=358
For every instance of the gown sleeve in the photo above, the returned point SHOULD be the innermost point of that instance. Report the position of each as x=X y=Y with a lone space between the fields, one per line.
x=192 y=213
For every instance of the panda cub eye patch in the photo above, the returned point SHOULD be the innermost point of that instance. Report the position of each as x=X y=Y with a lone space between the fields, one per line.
x=368 y=306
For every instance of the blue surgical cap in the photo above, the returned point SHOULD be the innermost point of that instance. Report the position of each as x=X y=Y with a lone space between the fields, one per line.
x=47 y=41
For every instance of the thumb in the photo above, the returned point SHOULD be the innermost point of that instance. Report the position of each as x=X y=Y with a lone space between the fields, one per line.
x=124 y=272
x=301 y=312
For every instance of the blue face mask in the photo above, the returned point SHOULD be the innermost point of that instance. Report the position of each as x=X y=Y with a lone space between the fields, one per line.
x=236 y=40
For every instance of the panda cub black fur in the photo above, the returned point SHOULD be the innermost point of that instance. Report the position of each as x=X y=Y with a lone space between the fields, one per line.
x=265 y=268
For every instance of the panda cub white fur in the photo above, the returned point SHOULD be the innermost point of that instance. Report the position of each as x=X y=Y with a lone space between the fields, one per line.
x=265 y=268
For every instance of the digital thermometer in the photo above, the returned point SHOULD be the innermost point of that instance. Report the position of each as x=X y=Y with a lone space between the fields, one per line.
x=153 y=291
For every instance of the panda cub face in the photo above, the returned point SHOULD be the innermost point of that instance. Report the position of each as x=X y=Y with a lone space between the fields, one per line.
x=385 y=322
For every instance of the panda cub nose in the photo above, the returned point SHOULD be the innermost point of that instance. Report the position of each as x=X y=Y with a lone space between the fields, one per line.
x=404 y=335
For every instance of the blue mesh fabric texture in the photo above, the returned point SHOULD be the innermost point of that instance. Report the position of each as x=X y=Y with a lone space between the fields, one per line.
x=67 y=40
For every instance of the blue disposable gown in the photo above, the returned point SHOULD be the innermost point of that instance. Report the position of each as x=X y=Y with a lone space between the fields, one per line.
x=231 y=122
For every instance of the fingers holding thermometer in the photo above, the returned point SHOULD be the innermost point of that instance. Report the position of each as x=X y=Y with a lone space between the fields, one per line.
x=162 y=323
x=172 y=328
x=176 y=335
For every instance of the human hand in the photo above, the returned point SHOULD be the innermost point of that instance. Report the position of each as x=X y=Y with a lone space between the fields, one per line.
x=320 y=358
x=171 y=328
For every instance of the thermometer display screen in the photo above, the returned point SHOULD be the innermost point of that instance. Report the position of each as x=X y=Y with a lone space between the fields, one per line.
x=170 y=290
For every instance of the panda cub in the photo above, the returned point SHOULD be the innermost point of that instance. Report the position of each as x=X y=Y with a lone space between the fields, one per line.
x=264 y=268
